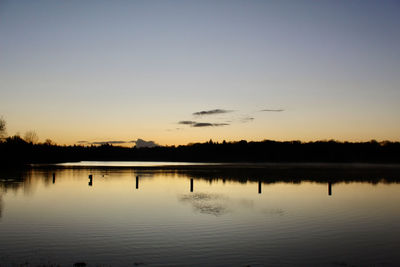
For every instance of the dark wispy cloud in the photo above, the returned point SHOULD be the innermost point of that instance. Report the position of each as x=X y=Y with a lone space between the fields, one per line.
x=202 y=124
x=176 y=129
x=207 y=124
x=110 y=142
x=246 y=119
x=272 y=110
x=187 y=122
x=102 y=142
x=211 y=112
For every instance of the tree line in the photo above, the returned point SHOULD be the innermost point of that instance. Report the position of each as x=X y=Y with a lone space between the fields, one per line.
x=17 y=150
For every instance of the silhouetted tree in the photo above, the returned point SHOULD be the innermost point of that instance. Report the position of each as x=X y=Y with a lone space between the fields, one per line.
x=2 y=128
x=48 y=142
x=31 y=137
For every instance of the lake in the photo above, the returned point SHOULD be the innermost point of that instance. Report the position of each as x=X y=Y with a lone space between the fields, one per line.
x=167 y=214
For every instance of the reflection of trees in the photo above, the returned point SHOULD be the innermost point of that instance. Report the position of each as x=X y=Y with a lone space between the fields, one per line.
x=28 y=178
x=14 y=180
x=284 y=173
x=1 y=203
x=2 y=128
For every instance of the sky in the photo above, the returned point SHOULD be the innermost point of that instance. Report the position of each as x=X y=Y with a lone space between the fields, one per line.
x=177 y=72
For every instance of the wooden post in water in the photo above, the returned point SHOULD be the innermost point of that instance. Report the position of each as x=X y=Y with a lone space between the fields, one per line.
x=329 y=188
x=90 y=180
x=137 y=182
x=191 y=185
x=54 y=178
x=259 y=187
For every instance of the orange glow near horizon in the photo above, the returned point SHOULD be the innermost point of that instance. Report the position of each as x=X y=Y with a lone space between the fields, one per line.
x=199 y=71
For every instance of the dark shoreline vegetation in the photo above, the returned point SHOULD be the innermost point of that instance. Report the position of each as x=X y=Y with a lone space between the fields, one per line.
x=16 y=151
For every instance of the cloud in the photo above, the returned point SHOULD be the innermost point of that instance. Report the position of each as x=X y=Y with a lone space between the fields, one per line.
x=187 y=122
x=247 y=119
x=118 y=142
x=211 y=112
x=207 y=124
x=272 y=110
x=176 y=129
x=109 y=142
x=202 y=124
x=142 y=143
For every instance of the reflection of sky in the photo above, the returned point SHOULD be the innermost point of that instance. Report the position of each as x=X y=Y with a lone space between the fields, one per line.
x=121 y=71
x=116 y=187
x=163 y=222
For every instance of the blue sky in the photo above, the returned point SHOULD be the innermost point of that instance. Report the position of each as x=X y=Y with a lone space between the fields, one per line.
x=123 y=70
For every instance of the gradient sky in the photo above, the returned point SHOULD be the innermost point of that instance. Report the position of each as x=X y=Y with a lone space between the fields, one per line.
x=123 y=70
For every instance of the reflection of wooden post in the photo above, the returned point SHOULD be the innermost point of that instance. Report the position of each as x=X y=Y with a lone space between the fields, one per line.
x=54 y=178
x=191 y=185
x=90 y=180
x=329 y=188
x=137 y=182
x=259 y=187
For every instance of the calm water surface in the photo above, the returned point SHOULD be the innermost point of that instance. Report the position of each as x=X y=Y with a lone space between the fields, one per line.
x=173 y=218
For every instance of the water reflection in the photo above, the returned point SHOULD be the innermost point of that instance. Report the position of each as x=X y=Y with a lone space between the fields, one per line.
x=14 y=179
x=213 y=204
x=235 y=218
x=279 y=212
x=1 y=203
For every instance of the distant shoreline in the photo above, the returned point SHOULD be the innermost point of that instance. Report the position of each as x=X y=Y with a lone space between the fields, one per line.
x=15 y=151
